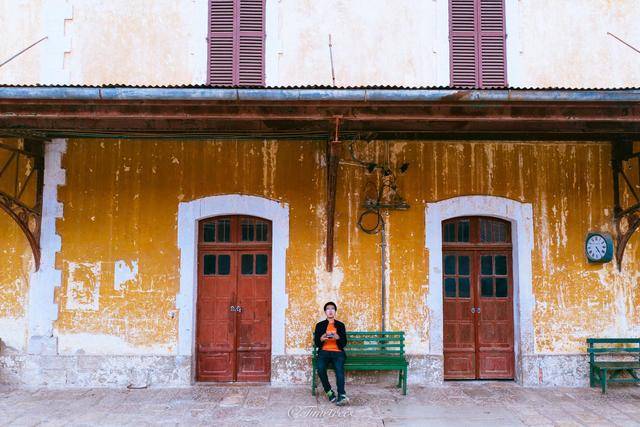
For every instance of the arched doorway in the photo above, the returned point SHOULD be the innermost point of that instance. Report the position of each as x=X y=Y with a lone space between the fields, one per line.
x=233 y=309
x=478 y=316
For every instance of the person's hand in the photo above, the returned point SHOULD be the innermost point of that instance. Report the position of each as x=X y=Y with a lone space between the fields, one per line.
x=336 y=336
x=323 y=337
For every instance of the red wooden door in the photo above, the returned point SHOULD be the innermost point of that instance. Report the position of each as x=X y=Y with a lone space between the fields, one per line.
x=254 y=328
x=233 y=339
x=478 y=299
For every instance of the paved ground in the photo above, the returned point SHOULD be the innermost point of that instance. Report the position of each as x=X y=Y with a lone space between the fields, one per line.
x=470 y=404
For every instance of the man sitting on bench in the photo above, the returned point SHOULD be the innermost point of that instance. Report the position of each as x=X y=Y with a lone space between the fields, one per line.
x=330 y=337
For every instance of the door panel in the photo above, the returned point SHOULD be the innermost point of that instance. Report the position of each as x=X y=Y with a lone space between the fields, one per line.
x=233 y=330
x=216 y=323
x=254 y=335
x=459 y=328
x=477 y=299
x=495 y=320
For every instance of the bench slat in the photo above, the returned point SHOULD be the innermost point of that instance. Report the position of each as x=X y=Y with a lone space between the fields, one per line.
x=376 y=332
x=613 y=340
x=618 y=364
x=614 y=350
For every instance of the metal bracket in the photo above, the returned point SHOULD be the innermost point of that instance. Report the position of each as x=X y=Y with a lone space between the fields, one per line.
x=626 y=200
x=22 y=168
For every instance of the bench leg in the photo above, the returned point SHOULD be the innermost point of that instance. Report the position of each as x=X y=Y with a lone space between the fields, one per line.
x=313 y=380
x=603 y=380
x=399 y=379
x=404 y=382
x=592 y=378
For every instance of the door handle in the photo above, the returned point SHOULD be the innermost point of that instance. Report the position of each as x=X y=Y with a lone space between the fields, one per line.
x=236 y=308
x=477 y=309
x=239 y=309
x=233 y=308
x=473 y=309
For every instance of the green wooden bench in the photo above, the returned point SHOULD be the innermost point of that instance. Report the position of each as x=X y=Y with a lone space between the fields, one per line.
x=601 y=372
x=371 y=351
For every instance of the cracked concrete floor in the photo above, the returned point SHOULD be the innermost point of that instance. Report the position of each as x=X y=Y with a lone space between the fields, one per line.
x=459 y=403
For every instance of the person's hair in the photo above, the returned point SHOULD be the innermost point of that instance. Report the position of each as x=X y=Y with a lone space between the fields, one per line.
x=328 y=304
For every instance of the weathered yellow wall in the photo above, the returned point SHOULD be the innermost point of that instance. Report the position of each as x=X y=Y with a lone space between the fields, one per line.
x=121 y=201
x=16 y=258
x=16 y=263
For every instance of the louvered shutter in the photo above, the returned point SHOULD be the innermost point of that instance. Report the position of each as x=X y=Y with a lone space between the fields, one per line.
x=492 y=44
x=462 y=41
x=236 y=42
x=251 y=42
x=221 y=42
x=477 y=43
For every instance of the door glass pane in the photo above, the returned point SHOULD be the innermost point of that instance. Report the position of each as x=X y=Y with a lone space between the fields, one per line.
x=224 y=265
x=247 y=264
x=464 y=288
x=463 y=265
x=262 y=264
x=486 y=287
x=486 y=262
x=209 y=265
x=502 y=289
x=224 y=230
x=463 y=231
x=247 y=231
x=262 y=231
x=209 y=232
x=450 y=264
x=450 y=287
x=450 y=232
x=501 y=265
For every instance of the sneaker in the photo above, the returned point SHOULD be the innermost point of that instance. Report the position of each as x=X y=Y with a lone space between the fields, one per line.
x=332 y=396
x=342 y=400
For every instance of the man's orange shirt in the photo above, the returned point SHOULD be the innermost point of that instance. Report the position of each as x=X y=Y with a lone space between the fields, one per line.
x=331 y=343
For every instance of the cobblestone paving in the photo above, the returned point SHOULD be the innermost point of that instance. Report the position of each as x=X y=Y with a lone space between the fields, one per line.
x=461 y=403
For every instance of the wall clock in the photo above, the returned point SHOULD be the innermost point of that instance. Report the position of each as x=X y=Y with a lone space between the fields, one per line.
x=599 y=247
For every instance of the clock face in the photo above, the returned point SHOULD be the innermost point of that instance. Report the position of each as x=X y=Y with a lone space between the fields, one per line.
x=596 y=247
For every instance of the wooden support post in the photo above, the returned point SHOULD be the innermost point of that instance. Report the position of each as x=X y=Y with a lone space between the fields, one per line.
x=333 y=162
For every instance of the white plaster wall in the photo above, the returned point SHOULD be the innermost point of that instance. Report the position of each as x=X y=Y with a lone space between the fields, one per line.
x=375 y=42
x=43 y=311
x=565 y=43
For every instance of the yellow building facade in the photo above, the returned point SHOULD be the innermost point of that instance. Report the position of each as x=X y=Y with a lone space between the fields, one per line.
x=121 y=262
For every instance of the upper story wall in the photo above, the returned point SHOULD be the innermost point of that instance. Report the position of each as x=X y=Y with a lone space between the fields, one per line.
x=375 y=42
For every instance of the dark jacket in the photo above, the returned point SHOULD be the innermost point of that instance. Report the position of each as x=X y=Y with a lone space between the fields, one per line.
x=321 y=328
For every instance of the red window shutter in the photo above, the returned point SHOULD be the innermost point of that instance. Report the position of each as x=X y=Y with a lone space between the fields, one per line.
x=251 y=43
x=492 y=44
x=236 y=42
x=462 y=42
x=477 y=43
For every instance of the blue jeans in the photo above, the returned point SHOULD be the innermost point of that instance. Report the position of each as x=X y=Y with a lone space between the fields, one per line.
x=337 y=358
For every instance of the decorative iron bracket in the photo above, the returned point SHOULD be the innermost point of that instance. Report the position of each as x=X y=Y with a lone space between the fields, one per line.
x=17 y=169
x=626 y=201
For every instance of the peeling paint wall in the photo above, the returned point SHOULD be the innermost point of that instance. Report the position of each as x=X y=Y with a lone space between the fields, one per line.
x=120 y=260
x=156 y=42
x=15 y=265
x=16 y=259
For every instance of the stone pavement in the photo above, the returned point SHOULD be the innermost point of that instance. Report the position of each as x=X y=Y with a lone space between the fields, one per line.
x=460 y=403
